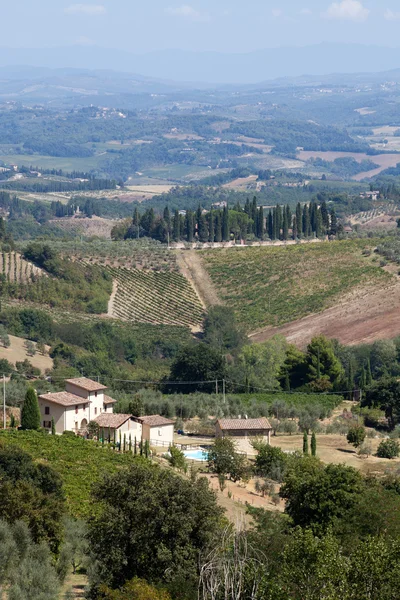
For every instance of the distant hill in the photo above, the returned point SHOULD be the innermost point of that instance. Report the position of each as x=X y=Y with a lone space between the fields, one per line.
x=213 y=67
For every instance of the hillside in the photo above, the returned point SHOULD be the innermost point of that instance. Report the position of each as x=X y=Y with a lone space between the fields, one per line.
x=271 y=287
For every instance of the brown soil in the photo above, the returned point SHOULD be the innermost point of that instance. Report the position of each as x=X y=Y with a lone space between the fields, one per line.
x=110 y=310
x=362 y=317
x=191 y=267
x=96 y=226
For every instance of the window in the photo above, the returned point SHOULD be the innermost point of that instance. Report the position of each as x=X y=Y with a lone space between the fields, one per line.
x=47 y=410
x=47 y=424
x=160 y=432
x=95 y=410
x=76 y=410
x=95 y=394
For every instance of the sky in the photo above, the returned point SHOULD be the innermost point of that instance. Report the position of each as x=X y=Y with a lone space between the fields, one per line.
x=199 y=25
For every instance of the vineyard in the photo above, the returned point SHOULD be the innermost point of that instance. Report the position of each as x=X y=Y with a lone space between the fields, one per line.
x=272 y=286
x=154 y=297
x=16 y=269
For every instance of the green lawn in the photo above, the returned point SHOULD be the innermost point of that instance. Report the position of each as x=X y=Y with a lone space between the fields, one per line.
x=276 y=285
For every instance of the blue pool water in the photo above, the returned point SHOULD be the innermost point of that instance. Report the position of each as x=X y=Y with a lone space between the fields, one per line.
x=194 y=455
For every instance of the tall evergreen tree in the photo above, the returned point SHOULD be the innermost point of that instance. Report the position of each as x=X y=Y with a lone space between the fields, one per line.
x=299 y=220
x=325 y=215
x=306 y=221
x=167 y=219
x=319 y=226
x=225 y=224
x=294 y=228
x=285 y=226
x=313 y=444
x=333 y=222
x=270 y=225
x=189 y=226
x=203 y=229
x=254 y=214
x=136 y=223
x=211 y=232
x=350 y=379
x=305 y=442
x=218 y=226
x=260 y=223
x=30 y=414
x=278 y=221
x=176 y=226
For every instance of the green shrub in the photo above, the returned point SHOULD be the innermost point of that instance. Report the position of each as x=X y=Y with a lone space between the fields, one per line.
x=388 y=449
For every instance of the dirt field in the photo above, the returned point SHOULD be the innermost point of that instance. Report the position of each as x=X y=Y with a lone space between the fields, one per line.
x=96 y=226
x=363 y=316
x=17 y=353
x=240 y=183
x=383 y=160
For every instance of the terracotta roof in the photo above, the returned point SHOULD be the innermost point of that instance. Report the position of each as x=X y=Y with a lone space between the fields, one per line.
x=108 y=400
x=63 y=398
x=247 y=424
x=155 y=420
x=113 y=420
x=86 y=384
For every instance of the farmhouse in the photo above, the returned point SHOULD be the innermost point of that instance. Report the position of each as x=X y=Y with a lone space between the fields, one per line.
x=244 y=428
x=72 y=410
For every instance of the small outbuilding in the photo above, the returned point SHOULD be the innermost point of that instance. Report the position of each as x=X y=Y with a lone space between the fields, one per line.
x=157 y=430
x=120 y=424
x=244 y=428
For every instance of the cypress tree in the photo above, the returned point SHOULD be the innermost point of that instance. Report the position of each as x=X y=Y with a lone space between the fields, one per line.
x=203 y=229
x=260 y=224
x=294 y=228
x=334 y=223
x=285 y=226
x=363 y=379
x=211 y=233
x=176 y=226
x=189 y=226
x=136 y=222
x=270 y=225
x=278 y=221
x=305 y=442
x=313 y=444
x=299 y=228
x=319 y=226
x=254 y=214
x=30 y=414
x=274 y=224
x=286 y=385
x=313 y=216
x=135 y=447
x=167 y=219
x=130 y=442
x=306 y=221
x=225 y=224
x=124 y=443
x=53 y=426
x=119 y=442
x=325 y=215
x=247 y=207
x=218 y=227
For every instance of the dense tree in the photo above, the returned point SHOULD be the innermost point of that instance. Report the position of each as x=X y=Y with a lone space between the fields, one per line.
x=322 y=361
x=198 y=363
x=151 y=523
x=221 y=331
x=356 y=435
x=385 y=394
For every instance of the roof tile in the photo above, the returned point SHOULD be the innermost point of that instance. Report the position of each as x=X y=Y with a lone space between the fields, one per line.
x=63 y=398
x=86 y=384
x=245 y=424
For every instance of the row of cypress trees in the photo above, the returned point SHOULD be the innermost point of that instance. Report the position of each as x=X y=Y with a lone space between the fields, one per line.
x=222 y=223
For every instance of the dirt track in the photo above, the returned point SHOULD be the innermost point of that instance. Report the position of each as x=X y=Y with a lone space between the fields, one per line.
x=190 y=264
x=364 y=316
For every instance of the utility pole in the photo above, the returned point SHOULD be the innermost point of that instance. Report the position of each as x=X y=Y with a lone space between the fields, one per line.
x=4 y=403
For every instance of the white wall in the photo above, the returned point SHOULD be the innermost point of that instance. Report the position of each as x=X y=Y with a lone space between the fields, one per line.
x=56 y=412
x=159 y=436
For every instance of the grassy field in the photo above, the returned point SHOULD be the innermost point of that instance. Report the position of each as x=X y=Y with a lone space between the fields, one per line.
x=54 y=162
x=298 y=400
x=272 y=286
x=79 y=462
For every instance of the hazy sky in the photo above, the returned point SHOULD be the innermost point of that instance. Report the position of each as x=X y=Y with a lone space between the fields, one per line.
x=224 y=25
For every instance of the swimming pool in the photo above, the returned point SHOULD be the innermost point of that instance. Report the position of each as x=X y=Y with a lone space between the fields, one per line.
x=195 y=455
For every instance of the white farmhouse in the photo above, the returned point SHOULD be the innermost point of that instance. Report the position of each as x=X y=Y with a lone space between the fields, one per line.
x=72 y=410
x=119 y=424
